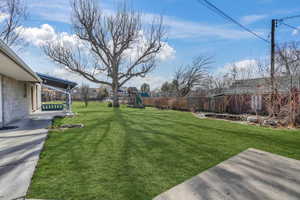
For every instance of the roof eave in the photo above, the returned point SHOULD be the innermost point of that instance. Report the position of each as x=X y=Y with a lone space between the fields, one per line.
x=14 y=57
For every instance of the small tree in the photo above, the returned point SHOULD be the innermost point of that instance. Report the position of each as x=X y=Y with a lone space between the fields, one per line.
x=85 y=94
x=145 y=88
x=191 y=76
x=119 y=46
x=167 y=89
x=13 y=13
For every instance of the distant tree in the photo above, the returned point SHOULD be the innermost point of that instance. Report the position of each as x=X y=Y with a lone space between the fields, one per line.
x=191 y=76
x=145 y=88
x=168 y=89
x=12 y=14
x=85 y=94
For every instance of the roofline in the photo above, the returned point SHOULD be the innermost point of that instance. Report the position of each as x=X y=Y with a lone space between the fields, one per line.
x=71 y=83
x=16 y=59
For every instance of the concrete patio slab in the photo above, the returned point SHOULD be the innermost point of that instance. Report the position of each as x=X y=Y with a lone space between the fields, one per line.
x=19 y=153
x=251 y=175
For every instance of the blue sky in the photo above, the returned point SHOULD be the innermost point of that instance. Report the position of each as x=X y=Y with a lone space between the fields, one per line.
x=192 y=30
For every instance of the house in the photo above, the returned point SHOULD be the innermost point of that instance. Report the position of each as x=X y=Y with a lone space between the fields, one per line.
x=247 y=96
x=20 y=87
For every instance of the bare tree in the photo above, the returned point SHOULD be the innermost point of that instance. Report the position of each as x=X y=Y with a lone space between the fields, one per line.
x=191 y=76
x=110 y=42
x=13 y=13
x=288 y=58
x=85 y=94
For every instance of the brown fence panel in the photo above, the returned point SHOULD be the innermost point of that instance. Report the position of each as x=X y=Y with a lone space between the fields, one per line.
x=237 y=104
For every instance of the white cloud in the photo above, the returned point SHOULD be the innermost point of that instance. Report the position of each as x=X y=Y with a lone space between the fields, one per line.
x=167 y=52
x=3 y=16
x=245 y=69
x=38 y=35
x=296 y=32
x=249 y=19
x=141 y=44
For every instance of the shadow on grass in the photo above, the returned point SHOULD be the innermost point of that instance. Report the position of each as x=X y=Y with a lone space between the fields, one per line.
x=126 y=153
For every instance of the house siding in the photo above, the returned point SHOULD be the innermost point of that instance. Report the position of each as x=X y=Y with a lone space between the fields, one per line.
x=16 y=99
x=1 y=104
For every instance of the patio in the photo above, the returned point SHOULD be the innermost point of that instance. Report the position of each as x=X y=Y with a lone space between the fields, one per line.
x=252 y=174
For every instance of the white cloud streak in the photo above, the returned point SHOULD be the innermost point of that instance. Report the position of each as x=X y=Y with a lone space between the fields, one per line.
x=250 y=19
x=177 y=28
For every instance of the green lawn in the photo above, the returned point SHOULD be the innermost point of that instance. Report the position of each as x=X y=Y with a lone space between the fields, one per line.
x=132 y=154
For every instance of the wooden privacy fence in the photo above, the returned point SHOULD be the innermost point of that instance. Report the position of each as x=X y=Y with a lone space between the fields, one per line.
x=235 y=104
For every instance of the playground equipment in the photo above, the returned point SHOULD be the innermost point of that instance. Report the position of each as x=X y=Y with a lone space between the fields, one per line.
x=134 y=98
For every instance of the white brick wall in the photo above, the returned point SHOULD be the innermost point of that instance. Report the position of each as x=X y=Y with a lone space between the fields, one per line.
x=1 y=112
x=16 y=99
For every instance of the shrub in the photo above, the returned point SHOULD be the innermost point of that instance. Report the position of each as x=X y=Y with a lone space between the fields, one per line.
x=109 y=104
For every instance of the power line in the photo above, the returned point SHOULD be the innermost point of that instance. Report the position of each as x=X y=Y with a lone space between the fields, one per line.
x=221 y=13
x=290 y=26
x=291 y=17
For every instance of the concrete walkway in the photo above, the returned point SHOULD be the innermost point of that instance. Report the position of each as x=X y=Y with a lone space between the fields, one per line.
x=251 y=175
x=19 y=153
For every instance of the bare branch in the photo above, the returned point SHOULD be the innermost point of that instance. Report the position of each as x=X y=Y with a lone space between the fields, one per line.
x=15 y=13
x=191 y=76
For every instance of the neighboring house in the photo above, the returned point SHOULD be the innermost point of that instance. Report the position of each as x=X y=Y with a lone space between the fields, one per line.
x=49 y=95
x=20 y=87
x=93 y=94
x=247 y=96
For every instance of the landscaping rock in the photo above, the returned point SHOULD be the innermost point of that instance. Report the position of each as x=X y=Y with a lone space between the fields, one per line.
x=72 y=126
x=201 y=115
x=270 y=122
x=252 y=119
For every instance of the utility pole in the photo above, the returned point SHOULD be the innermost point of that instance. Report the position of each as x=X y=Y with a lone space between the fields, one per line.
x=273 y=45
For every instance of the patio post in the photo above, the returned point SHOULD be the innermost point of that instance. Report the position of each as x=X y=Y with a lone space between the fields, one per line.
x=69 y=100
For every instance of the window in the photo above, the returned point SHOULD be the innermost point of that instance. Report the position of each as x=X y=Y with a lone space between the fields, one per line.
x=256 y=102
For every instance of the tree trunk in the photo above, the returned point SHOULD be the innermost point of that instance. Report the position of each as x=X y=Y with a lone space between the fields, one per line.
x=115 y=97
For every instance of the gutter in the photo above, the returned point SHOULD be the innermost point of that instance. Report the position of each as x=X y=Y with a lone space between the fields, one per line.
x=16 y=59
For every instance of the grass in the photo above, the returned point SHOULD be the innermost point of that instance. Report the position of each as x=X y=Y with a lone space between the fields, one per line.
x=132 y=154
